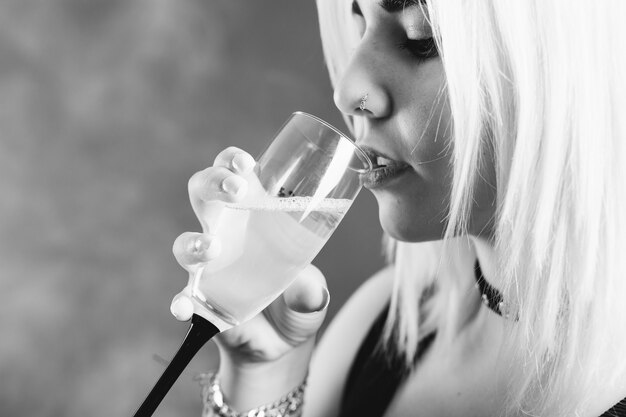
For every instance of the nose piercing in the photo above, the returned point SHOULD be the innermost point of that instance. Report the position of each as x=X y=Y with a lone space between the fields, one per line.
x=362 y=102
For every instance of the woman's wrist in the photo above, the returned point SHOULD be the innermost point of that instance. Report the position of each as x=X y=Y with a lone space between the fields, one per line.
x=215 y=405
x=250 y=384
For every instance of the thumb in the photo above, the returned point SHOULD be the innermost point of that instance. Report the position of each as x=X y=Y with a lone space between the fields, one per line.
x=308 y=293
x=300 y=311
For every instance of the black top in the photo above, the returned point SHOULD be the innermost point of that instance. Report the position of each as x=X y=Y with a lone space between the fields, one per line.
x=374 y=378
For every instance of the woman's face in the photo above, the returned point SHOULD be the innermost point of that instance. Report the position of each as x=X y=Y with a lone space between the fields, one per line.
x=393 y=89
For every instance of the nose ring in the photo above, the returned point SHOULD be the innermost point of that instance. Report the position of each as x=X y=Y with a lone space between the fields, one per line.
x=362 y=102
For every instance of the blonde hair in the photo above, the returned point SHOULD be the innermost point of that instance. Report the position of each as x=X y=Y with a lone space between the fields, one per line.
x=541 y=82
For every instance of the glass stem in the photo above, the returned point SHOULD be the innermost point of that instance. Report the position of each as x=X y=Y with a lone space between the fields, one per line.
x=200 y=331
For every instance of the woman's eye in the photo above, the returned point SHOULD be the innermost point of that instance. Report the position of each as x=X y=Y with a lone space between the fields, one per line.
x=420 y=48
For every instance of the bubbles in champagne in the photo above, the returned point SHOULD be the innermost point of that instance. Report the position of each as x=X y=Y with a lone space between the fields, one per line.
x=295 y=204
x=266 y=242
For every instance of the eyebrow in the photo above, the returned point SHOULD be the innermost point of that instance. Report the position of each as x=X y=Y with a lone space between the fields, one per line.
x=394 y=6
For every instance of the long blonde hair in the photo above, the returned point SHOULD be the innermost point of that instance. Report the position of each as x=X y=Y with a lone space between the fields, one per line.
x=542 y=83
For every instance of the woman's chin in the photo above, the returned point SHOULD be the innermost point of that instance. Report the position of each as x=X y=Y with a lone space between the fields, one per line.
x=408 y=227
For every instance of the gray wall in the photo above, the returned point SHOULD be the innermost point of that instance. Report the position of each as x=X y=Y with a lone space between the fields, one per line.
x=107 y=107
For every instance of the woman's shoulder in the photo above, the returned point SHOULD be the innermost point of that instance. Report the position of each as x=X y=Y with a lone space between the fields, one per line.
x=341 y=340
x=355 y=317
x=368 y=299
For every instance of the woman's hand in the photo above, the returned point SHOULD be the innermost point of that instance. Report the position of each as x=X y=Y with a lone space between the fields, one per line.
x=283 y=334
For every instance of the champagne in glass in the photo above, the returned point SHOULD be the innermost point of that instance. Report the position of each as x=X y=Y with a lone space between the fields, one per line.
x=302 y=186
x=272 y=244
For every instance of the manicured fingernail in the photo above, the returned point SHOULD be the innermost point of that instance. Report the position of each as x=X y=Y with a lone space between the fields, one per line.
x=201 y=244
x=234 y=185
x=208 y=247
x=182 y=308
x=325 y=299
x=243 y=163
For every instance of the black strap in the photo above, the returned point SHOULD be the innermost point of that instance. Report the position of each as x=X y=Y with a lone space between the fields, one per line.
x=376 y=375
x=618 y=410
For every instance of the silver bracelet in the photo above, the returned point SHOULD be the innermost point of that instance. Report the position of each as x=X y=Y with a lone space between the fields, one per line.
x=289 y=405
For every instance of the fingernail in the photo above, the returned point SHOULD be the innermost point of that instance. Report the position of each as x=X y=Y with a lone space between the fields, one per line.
x=325 y=299
x=243 y=163
x=234 y=185
x=208 y=246
x=182 y=308
x=201 y=244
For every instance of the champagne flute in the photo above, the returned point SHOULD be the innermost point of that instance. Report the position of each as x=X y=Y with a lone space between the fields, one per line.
x=302 y=186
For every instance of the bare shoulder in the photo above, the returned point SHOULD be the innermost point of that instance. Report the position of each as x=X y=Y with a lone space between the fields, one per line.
x=339 y=344
x=356 y=316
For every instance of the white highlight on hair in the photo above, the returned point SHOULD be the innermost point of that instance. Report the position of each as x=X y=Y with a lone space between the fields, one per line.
x=542 y=82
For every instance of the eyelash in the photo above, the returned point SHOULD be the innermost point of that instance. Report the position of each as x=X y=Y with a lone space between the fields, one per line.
x=420 y=48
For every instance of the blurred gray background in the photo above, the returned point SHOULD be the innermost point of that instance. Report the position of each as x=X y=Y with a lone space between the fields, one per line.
x=107 y=107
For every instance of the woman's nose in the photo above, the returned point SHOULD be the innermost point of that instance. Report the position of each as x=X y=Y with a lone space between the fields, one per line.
x=361 y=89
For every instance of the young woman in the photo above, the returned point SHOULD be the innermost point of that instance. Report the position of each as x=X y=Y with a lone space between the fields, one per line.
x=502 y=132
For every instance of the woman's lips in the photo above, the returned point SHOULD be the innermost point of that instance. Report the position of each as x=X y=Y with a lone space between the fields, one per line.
x=384 y=170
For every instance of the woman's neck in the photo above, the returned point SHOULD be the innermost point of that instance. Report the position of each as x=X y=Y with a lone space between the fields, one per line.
x=477 y=327
x=481 y=329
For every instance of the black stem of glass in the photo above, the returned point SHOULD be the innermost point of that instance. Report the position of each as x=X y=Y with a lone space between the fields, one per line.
x=200 y=332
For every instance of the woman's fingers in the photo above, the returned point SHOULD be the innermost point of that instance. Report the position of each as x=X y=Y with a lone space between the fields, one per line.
x=308 y=293
x=229 y=180
x=210 y=190
x=225 y=180
x=235 y=159
x=216 y=183
x=191 y=249
x=182 y=306
x=298 y=314
x=291 y=320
